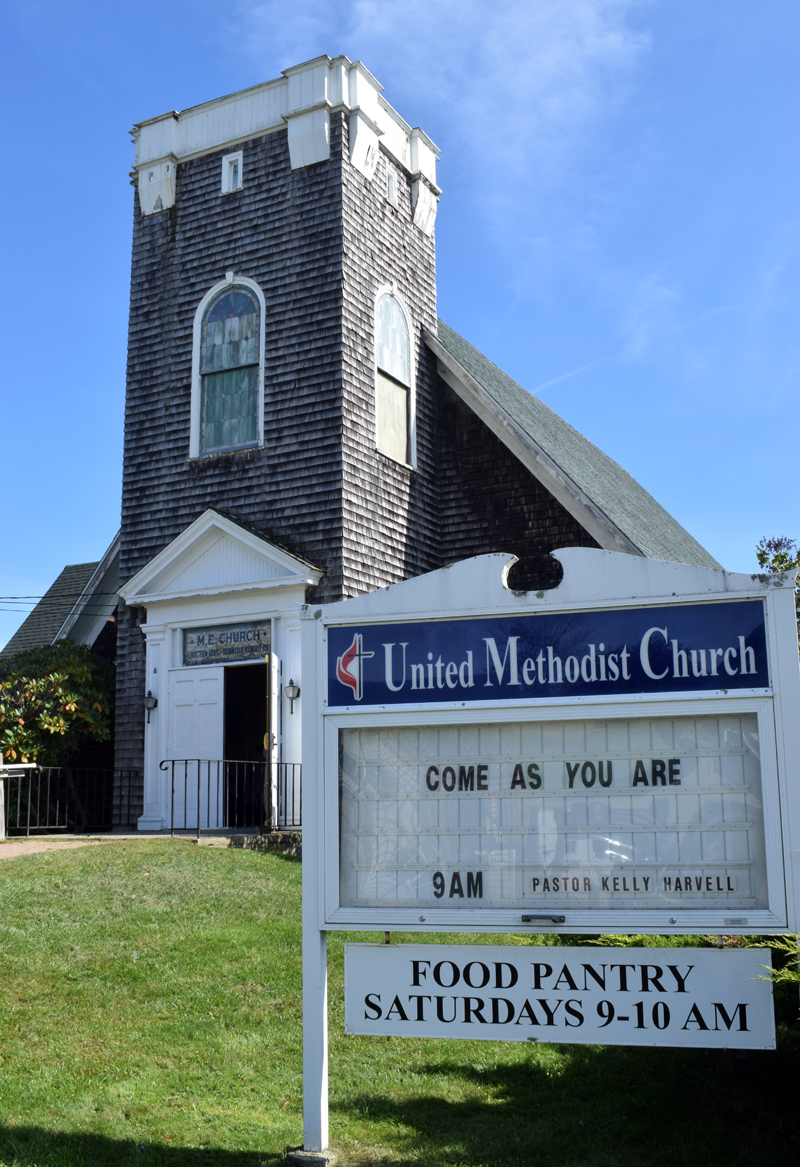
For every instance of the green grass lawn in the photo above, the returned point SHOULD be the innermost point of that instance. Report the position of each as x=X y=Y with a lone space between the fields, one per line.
x=151 y=1014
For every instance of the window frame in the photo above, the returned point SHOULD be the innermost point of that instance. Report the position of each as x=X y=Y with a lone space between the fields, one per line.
x=410 y=461
x=228 y=164
x=230 y=282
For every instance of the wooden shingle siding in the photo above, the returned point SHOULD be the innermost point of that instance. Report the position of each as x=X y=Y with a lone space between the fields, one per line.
x=390 y=513
x=280 y=230
x=129 y=731
x=490 y=502
x=320 y=242
x=283 y=230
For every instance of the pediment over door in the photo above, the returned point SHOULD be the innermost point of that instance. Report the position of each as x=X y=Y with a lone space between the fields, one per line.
x=214 y=555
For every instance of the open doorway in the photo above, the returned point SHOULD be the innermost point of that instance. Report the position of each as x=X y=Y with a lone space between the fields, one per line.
x=245 y=712
x=245 y=724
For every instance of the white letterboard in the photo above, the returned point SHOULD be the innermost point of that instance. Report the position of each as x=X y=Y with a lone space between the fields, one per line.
x=659 y=812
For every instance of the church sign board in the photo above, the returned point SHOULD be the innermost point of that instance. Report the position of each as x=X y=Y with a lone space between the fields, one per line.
x=618 y=754
x=677 y=649
x=599 y=757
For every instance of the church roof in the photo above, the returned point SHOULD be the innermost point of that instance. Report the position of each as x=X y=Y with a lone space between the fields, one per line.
x=43 y=624
x=603 y=497
x=217 y=554
x=77 y=606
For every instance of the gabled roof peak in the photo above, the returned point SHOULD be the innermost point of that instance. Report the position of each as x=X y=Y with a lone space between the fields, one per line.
x=611 y=505
x=217 y=554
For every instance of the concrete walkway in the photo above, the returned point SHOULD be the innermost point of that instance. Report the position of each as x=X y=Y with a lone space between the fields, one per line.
x=288 y=841
x=11 y=848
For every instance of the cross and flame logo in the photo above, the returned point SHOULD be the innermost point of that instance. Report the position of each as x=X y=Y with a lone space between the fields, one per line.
x=350 y=668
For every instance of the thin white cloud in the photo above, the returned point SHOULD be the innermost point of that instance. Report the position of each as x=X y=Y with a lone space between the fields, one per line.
x=651 y=317
x=518 y=94
x=511 y=87
x=539 y=389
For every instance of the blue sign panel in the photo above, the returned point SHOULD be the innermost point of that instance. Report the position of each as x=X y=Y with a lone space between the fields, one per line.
x=670 y=649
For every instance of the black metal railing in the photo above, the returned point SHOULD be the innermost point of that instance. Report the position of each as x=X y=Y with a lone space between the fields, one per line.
x=211 y=794
x=65 y=798
x=288 y=786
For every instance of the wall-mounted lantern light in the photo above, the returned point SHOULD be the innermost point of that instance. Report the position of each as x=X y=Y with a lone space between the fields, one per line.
x=292 y=692
x=150 y=703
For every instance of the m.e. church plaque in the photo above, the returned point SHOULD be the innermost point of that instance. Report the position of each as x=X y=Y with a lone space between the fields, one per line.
x=226 y=643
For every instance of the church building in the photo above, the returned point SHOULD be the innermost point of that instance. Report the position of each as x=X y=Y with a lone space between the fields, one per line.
x=300 y=427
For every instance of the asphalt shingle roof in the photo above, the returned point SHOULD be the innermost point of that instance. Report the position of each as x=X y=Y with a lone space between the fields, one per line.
x=43 y=623
x=619 y=496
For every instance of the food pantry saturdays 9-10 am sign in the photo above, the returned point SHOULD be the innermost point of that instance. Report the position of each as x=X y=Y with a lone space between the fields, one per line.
x=608 y=996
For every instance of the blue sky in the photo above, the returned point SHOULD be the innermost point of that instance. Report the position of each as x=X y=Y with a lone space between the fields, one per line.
x=618 y=229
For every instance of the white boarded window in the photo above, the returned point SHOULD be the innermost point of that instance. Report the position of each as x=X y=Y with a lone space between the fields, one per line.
x=393 y=378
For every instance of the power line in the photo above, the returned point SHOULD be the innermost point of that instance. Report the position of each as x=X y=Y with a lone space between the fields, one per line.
x=57 y=596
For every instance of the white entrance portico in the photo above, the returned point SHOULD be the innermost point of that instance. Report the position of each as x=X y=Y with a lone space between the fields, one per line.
x=222 y=640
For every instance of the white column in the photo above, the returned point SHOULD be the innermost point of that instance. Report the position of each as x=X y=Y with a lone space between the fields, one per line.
x=292 y=671
x=155 y=682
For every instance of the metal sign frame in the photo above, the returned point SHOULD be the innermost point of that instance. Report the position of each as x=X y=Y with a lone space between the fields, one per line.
x=593 y=581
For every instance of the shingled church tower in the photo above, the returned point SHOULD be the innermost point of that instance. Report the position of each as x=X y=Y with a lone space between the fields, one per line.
x=298 y=424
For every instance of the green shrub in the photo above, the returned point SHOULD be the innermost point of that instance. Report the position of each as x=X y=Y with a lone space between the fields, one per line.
x=51 y=700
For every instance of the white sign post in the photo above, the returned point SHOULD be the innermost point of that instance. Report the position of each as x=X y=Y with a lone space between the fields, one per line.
x=618 y=754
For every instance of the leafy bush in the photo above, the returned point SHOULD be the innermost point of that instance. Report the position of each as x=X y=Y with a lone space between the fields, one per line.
x=51 y=700
x=781 y=554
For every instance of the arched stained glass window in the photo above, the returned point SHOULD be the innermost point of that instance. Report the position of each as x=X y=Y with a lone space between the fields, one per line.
x=229 y=365
x=393 y=380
